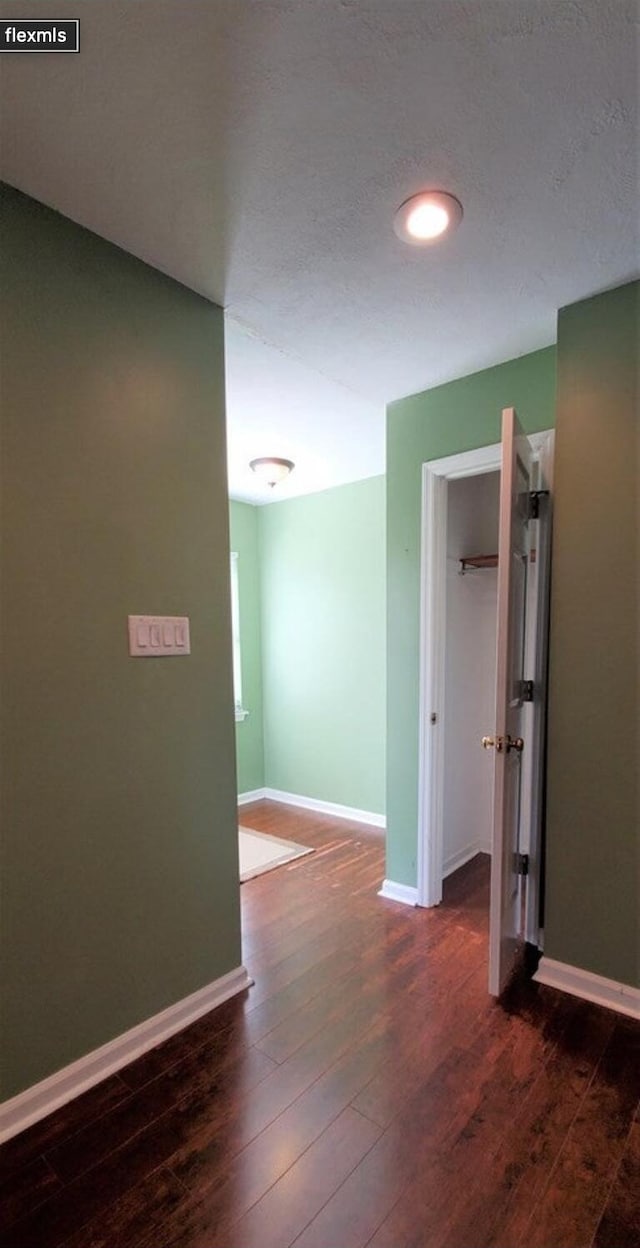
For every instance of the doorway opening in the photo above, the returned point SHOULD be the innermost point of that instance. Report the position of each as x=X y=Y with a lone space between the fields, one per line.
x=471 y=588
x=470 y=666
x=483 y=630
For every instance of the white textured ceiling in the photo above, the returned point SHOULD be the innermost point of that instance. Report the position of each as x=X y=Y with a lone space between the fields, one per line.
x=256 y=150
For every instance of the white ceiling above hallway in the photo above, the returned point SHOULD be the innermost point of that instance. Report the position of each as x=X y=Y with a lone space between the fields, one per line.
x=277 y=406
x=257 y=151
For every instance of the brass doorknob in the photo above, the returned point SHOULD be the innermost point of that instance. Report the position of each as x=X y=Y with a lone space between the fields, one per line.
x=503 y=744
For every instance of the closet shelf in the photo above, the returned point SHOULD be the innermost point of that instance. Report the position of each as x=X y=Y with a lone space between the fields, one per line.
x=484 y=561
x=478 y=561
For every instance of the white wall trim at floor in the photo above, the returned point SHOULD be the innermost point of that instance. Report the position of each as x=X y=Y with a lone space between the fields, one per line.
x=42 y=1098
x=326 y=808
x=454 y=861
x=399 y=892
x=589 y=986
x=253 y=795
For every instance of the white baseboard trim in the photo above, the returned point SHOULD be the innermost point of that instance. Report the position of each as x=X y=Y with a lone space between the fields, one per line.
x=458 y=859
x=589 y=986
x=399 y=892
x=326 y=808
x=42 y=1098
x=253 y=795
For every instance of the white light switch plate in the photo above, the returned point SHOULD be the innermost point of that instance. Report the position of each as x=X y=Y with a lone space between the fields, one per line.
x=157 y=636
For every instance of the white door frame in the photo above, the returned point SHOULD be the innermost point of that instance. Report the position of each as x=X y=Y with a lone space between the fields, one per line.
x=436 y=475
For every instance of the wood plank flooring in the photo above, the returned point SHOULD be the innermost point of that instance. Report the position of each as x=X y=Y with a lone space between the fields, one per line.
x=366 y=1091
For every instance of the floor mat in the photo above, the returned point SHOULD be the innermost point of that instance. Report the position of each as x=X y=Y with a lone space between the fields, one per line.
x=260 y=852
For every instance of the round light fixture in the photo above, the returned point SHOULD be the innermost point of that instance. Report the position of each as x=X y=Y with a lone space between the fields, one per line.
x=425 y=217
x=271 y=469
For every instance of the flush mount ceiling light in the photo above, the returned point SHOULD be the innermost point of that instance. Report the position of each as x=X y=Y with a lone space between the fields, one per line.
x=424 y=218
x=271 y=469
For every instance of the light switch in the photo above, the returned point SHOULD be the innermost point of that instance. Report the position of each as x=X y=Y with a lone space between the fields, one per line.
x=158 y=636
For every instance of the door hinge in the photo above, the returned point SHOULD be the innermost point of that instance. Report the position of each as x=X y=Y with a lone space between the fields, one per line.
x=526 y=691
x=521 y=864
x=534 y=502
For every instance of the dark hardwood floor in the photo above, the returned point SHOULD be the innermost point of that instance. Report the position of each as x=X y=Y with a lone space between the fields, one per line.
x=366 y=1091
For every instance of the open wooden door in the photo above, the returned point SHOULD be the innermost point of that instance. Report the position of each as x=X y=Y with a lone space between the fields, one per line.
x=506 y=911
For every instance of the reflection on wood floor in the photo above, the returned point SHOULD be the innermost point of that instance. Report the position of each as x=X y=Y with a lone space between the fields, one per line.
x=366 y=1091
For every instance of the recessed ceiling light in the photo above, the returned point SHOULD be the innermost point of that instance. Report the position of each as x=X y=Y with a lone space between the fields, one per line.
x=424 y=218
x=271 y=468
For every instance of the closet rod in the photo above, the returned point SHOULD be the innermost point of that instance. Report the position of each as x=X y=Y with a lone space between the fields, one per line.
x=484 y=561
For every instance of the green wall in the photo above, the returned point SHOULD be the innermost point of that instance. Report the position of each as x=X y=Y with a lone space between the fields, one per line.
x=119 y=873
x=459 y=416
x=323 y=629
x=593 y=827
x=243 y=520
